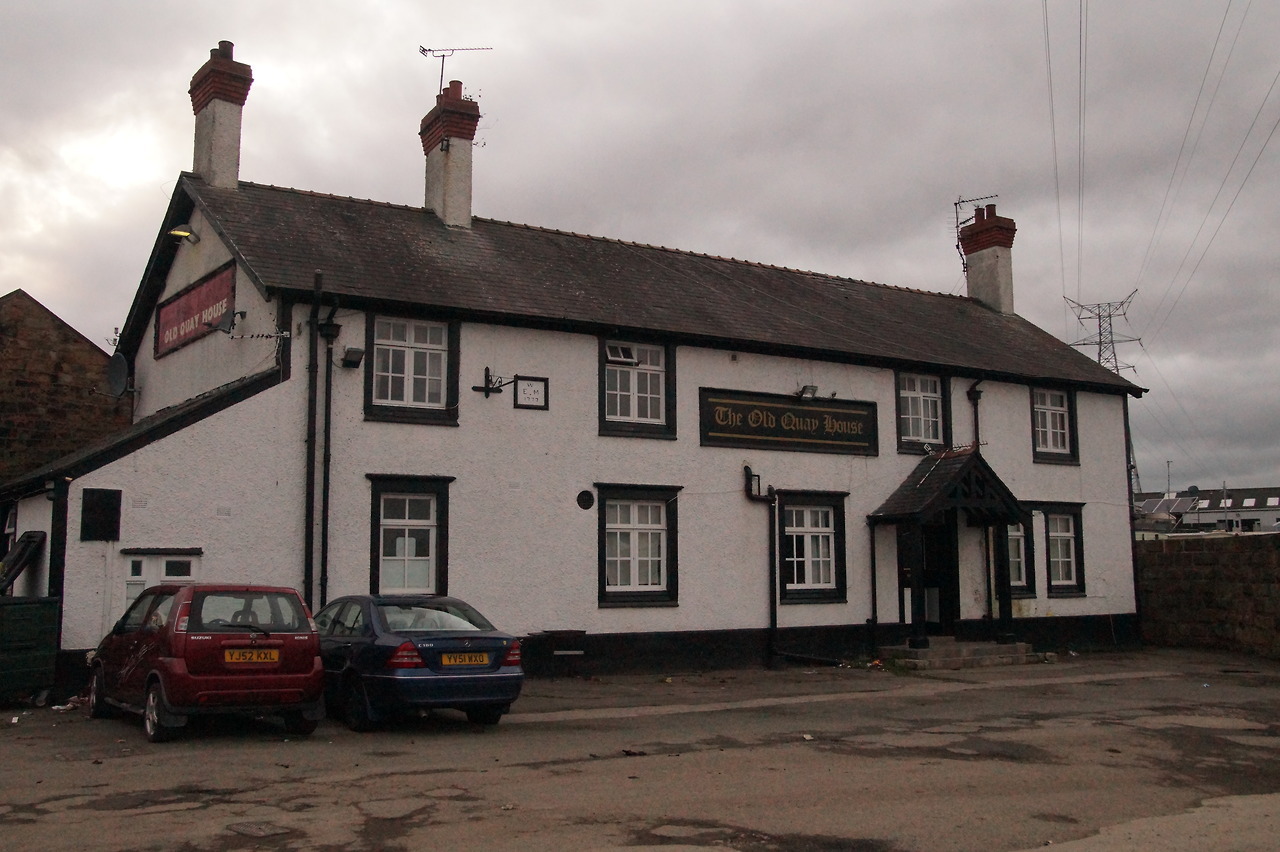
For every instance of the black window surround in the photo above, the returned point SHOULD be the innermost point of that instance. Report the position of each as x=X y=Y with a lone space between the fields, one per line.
x=627 y=429
x=1076 y=512
x=382 y=412
x=437 y=486
x=911 y=446
x=669 y=595
x=1072 y=455
x=835 y=501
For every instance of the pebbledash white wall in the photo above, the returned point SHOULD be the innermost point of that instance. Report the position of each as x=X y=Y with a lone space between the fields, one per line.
x=520 y=548
x=231 y=485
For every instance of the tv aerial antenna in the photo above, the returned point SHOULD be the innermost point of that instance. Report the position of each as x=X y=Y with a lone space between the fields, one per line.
x=443 y=53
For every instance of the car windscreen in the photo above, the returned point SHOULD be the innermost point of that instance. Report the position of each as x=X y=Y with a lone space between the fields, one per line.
x=432 y=616
x=275 y=612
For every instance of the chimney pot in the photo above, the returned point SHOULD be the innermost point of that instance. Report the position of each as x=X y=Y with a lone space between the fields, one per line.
x=991 y=211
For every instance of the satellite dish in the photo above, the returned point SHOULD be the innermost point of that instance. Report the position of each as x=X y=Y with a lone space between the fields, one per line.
x=118 y=375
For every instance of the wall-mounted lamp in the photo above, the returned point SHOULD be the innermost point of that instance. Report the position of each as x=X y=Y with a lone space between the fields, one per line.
x=808 y=392
x=351 y=357
x=184 y=232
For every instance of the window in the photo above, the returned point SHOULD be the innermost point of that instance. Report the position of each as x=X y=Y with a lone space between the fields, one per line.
x=921 y=413
x=637 y=542
x=413 y=375
x=409 y=541
x=1064 y=549
x=637 y=389
x=100 y=514
x=152 y=566
x=1022 y=577
x=812 y=565
x=1053 y=425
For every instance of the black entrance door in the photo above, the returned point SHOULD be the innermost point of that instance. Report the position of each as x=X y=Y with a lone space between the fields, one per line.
x=941 y=577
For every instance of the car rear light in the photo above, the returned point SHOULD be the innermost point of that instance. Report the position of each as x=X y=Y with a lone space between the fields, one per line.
x=180 y=626
x=513 y=654
x=406 y=657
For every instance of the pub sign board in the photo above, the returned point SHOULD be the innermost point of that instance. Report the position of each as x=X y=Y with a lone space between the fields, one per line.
x=728 y=418
x=196 y=311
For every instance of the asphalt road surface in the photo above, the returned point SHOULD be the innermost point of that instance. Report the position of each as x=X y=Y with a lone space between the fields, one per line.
x=1161 y=750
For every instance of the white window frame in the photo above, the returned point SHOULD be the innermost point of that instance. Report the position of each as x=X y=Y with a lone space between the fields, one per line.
x=1018 y=556
x=635 y=382
x=811 y=532
x=1060 y=543
x=920 y=408
x=410 y=363
x=1052 y=421
x=635 y=545
x=394 y=568
x=153 y=569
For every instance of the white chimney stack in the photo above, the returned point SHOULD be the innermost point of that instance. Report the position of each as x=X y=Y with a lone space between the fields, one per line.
x=218 y=92
x=446 y=134
x=987 y=244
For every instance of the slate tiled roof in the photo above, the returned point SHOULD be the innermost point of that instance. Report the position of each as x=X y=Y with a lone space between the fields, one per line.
x=382 y=255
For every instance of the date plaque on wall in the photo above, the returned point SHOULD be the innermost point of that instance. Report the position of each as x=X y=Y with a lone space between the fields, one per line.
x=530 y=392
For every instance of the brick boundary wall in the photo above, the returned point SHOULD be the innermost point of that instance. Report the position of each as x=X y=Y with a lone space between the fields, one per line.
x=1212 y=592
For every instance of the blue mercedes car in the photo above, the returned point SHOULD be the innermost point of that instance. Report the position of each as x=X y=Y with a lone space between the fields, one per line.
x=393 y=655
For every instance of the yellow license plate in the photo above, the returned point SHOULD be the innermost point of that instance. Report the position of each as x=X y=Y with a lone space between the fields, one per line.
x=464 y=659
x=252 y=655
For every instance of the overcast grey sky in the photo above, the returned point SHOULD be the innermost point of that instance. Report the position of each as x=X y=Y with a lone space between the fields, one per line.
x=824 y=135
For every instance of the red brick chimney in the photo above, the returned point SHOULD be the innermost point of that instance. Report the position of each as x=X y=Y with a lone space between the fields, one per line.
x=446 y=134
x=218 y=92
x=987 y=244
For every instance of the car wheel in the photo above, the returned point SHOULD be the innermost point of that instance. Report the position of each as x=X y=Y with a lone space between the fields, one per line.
x=355 y=707
x=299 y=725
x=98 y=706
x=157 y=730
x=485 y=715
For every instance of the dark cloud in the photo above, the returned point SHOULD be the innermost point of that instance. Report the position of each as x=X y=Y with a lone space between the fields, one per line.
x=831 y=135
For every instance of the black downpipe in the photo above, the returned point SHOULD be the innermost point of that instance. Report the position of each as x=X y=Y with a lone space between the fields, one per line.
x=875 y=608
x=309 y=512
x=752 y=487
x=329 y=331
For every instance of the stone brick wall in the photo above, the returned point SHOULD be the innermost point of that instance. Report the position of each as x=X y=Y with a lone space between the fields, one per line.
x=1219 y=592
x=48 y=375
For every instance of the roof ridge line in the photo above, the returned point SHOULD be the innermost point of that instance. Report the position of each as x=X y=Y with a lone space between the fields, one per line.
x=736 y=260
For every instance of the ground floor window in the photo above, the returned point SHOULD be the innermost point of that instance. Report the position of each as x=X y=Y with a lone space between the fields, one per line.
x=1064 y=547
x=637 y=545
x=1022 y=575
x=409 y=534
x=812 y=564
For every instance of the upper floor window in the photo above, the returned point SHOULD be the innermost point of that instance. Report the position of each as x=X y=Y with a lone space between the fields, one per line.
x=812 y=566
x=1053 y=425
x=637 y=545
x=921 y=412
x=637 y=394
x=412 y=376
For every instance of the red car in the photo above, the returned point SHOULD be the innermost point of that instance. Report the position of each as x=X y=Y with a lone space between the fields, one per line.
x=180 y=651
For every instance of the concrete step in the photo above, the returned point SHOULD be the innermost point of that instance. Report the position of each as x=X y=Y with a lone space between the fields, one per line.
x=944 y=652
